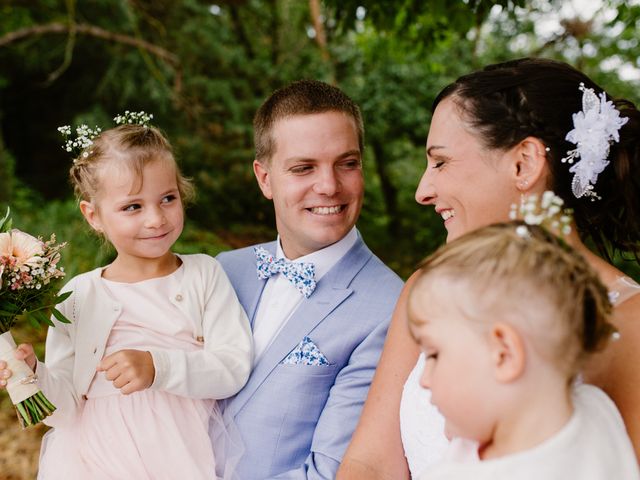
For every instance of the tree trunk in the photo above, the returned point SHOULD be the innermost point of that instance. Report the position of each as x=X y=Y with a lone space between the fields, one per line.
x=389 y=191
x=6 y=175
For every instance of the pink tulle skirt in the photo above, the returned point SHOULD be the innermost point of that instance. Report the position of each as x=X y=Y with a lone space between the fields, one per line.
x=148 y=435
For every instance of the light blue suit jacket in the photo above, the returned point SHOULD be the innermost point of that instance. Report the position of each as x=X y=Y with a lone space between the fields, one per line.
x=296 y=420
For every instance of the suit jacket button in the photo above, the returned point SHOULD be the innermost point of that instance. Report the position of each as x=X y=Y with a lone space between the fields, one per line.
x=200 y=339
x=178 y=298
x=95 y=350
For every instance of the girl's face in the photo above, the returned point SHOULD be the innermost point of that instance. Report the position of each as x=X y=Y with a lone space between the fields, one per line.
x=457 y=369
x=469 y=186
x=141 y=217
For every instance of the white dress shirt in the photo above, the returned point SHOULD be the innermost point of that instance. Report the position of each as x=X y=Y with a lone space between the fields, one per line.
x=280 y=298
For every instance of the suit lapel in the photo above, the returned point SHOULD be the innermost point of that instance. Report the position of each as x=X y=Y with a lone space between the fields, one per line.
x=253 y=286
x=331 y=291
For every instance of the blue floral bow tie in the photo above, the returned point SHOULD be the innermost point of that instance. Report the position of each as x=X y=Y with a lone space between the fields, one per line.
x=300 y=274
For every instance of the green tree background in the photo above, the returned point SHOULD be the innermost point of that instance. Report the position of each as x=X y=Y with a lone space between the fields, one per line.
x=203 y=68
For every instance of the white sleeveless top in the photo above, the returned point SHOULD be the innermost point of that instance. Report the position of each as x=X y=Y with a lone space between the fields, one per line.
x=422 y=425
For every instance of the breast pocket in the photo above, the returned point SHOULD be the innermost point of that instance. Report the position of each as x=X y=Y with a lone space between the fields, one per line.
x=307 y=388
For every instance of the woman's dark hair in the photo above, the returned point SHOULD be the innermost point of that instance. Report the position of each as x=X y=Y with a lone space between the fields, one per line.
x=507 y=102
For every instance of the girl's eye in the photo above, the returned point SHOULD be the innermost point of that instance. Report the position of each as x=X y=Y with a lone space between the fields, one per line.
x=432 y=356
x=131 y=208
x=169 y=198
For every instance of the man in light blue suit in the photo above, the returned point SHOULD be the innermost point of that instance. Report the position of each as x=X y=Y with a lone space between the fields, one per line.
x=319 y=323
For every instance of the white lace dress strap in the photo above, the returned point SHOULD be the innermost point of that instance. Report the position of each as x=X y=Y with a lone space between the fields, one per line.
x=623 y=289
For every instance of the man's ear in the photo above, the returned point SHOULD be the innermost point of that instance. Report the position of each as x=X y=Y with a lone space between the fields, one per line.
x=507 y=352
x=530 y=165
x=90 y=213
x=262 y=174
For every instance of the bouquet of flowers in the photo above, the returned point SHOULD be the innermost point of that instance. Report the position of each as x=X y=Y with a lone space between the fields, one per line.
x=28 y=292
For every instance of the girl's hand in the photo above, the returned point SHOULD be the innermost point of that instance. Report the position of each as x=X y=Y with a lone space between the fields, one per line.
x=129 y=370
x=4 y=374
x=24 y=352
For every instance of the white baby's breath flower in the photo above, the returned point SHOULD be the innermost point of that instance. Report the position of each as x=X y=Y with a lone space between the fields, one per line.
x=545 y=211
x=133 y=118
x=522 y=231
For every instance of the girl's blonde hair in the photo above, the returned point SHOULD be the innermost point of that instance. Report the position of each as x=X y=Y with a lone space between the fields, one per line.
x=526 y=274
x=135 y=146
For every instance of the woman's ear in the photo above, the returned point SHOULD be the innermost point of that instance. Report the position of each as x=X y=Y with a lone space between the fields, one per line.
x=262 y=174
x=90 y=213
x=530 y=166
x=507 y=352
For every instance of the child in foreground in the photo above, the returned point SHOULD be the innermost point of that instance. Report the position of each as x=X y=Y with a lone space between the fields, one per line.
x=155 y=337
x=506 y=316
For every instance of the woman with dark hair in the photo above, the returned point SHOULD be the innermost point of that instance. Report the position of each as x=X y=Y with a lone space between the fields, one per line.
x=498 y=135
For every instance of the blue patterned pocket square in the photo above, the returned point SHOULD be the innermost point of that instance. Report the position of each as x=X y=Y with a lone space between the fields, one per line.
x=306 y=353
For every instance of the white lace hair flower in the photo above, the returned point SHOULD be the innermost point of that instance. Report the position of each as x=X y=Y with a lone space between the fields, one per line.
x=595 y=128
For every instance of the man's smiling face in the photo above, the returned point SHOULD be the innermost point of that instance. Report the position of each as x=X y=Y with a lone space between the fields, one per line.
x=314 y=179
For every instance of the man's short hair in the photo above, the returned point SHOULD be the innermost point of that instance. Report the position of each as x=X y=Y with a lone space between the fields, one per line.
x=303 y=97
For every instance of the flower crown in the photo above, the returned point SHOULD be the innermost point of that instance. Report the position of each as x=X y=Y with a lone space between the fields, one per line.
x=595 y=128
x=546 y=211
x=85 y=135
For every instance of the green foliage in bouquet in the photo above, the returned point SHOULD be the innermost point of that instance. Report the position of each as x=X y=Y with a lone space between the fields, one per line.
x=29 y=276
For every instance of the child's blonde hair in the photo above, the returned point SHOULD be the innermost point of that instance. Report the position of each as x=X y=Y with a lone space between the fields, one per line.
x=133 y=145
x=526 y=275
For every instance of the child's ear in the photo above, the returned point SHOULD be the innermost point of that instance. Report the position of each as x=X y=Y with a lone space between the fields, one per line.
x=530 y=165
x=507 y=352
x=89 y=212
x=262 y=173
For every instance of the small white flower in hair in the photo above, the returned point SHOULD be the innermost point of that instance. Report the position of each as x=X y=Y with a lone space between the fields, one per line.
x=84 y=137
x=522 y=231
x=546 y=211
x=133 y=118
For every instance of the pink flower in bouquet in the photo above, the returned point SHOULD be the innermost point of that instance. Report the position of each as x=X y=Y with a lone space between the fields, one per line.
x=22 y=249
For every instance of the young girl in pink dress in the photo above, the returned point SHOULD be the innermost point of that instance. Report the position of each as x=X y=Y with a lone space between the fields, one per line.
x=155 y=337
